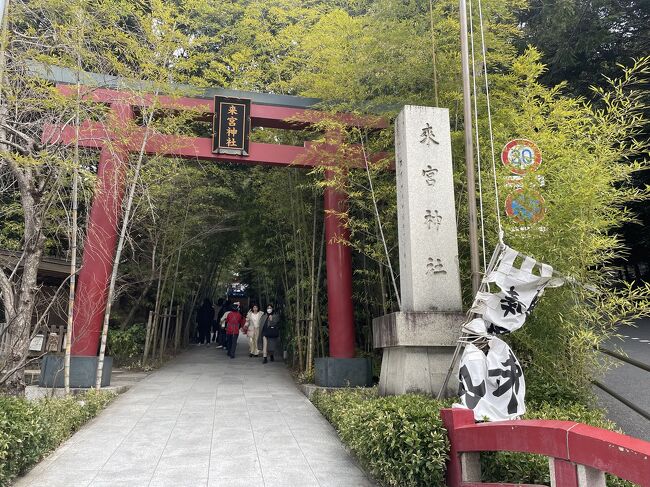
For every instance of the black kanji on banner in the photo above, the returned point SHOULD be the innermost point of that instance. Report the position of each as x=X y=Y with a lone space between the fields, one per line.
x=231 y=126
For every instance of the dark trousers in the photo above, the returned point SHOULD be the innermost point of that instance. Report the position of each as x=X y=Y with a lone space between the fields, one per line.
x=221 y=337
x=204 y=335
x=232 y=344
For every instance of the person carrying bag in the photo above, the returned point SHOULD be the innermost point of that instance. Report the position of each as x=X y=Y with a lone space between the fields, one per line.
x=270 y=334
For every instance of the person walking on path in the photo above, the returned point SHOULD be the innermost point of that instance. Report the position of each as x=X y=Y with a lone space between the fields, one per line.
x=204 y=318
x=221 y=330
x=215 y=320
x=234 y=321
x=269 y=333
x=253 y=320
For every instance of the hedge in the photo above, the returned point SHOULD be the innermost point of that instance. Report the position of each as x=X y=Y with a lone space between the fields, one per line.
x=400 y=440
x=30 y=429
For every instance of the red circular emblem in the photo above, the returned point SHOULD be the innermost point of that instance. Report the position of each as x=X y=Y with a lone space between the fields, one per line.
x=521 y=156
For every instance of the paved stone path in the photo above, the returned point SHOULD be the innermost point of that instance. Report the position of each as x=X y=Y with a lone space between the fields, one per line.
x=205 y=420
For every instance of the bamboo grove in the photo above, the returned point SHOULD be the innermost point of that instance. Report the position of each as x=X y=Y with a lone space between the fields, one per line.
x=189 y=228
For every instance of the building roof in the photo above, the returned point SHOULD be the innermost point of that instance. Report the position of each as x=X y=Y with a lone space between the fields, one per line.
x=58 y=74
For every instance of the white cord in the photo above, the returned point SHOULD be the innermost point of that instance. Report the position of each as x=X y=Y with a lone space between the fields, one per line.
x=489 y=113
x=476 y=131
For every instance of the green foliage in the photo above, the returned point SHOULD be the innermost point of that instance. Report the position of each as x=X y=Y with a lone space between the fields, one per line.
x=399 y=439
x=582 y=48
x=126 y=346
x=29 y=430
x=590 y=155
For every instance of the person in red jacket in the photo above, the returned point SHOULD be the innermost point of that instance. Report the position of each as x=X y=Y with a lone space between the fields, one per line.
x=234 y=321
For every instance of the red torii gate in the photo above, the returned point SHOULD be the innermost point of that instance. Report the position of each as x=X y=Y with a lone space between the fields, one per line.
x=104 y=218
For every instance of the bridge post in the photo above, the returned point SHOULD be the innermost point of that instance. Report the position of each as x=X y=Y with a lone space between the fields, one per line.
x=563 y=473
x=461 y=466
x=101 y=241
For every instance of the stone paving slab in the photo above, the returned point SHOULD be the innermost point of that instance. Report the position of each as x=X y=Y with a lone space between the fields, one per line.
x=204 y=420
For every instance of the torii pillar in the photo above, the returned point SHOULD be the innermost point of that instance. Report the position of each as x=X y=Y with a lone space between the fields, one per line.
x=338 y=261
x=341 y=368
x=100 y=243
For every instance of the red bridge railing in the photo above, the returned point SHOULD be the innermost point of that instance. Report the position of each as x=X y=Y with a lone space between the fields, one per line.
x=579 y=455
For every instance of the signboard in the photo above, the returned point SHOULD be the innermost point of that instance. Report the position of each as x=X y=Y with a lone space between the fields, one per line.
x=231 y=126
x=36 y=344
x=521 y=156
x=525 y=206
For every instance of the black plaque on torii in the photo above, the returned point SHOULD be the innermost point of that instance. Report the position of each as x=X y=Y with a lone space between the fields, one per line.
x=231 y=126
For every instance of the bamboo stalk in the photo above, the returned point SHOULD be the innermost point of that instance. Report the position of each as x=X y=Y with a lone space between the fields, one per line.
x=188 y=327
x=163 y=335
x=156 y=313
x=73 y=243
x=147 y=339
x=311 y=346
x=177 y=331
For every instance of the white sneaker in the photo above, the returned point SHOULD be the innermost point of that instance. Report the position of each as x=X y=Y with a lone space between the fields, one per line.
x=219 y=346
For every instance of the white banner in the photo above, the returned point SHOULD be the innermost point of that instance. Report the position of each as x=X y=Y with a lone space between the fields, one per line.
x=519 y=290
x=492 y=384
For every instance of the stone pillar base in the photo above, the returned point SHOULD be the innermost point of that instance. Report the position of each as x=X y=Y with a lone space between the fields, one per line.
x=343 y=372
x=418 y=348
x=82 y=371
x=421 y=370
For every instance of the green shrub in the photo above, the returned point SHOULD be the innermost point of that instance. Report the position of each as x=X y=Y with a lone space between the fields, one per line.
x=126 y=346
x=30 y=429
x=399 y=440
x=22 y=436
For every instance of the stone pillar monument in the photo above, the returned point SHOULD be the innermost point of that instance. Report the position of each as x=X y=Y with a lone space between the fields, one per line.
x=419 y=340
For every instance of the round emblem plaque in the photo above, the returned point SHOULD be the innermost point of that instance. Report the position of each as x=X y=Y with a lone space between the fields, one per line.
x=521 y=156
x=525 y=207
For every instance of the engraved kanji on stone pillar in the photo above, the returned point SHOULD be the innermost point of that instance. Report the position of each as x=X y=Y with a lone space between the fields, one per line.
x=429 y=273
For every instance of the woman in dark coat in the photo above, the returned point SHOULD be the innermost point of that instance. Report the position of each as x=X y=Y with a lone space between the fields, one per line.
x=204 y=317
x=269 y=334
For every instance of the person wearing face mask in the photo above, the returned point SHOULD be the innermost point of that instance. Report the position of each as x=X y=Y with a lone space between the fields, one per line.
x=269 y=334
x=253 y=320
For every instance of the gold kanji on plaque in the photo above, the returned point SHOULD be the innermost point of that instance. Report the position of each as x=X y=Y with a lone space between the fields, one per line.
x=232 y=110
x=230 y=131
x=232 y=121
x=230 y=142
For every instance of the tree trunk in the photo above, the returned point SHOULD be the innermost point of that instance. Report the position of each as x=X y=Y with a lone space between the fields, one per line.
x=147 y=340
x=19 y=315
